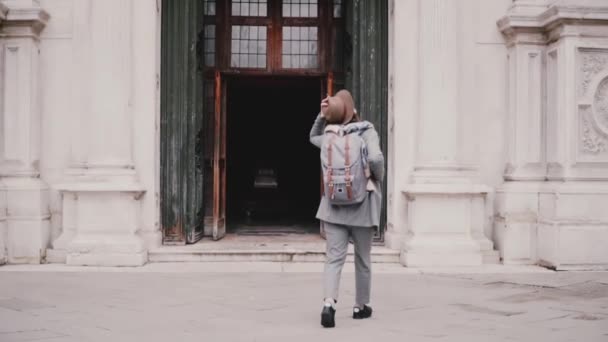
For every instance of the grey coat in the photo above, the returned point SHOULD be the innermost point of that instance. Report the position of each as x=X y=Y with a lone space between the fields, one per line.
x=366 y=214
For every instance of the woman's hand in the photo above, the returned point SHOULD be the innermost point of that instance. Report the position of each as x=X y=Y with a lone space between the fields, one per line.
x=325 y=106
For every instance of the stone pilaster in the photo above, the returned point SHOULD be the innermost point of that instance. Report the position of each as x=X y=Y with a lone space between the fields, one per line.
x=26 y=227
x=526 y=166
x=101 y=195
x=3 y=229
x=445 y=205
x=548 y=210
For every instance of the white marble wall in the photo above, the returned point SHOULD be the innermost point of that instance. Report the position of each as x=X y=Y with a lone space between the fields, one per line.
x=476 y=130
x=70 y=144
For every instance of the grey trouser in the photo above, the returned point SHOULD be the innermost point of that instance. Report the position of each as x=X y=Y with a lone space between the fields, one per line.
x=336 y=250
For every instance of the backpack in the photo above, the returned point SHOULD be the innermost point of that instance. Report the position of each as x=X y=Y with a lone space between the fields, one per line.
x=344 y=163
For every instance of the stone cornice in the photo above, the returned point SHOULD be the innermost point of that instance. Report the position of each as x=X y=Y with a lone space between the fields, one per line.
x=536 y=24
x=24 y=21
x=557 y=15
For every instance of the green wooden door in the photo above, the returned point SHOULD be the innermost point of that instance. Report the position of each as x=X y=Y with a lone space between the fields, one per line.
x=366 y=66
x=181 y=128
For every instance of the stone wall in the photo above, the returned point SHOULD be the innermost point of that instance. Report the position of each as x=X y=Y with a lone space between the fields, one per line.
x=498 y=134
x=551 y=208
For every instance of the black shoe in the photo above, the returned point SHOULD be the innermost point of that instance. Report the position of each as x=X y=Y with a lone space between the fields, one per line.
x=366 y=312
x=328 y=316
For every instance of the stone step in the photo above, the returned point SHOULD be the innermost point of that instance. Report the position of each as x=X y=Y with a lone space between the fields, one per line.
x=287 y=248
x=179 y=254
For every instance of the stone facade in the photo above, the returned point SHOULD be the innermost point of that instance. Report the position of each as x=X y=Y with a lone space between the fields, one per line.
x=498 y=132
x=548 y=210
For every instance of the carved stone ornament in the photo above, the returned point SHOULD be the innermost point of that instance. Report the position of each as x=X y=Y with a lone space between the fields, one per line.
x=592 y=141
x=600 y=105
x=592 y=63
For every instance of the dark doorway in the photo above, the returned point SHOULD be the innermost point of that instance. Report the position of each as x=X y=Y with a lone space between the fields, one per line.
x=272 y=169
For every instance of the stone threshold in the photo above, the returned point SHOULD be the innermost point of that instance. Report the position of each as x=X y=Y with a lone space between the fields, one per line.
x=303 y=248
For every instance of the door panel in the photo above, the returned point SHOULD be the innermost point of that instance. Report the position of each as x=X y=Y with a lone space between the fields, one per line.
x=181 y=128
x=219 y=160
x=215 y=158
x=367 y=69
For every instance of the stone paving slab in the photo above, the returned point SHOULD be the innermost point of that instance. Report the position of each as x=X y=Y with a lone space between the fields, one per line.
x=267 y=302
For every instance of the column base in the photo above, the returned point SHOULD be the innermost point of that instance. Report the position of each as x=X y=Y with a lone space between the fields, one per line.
x=490 y=257
x=152 y=238
x=441 y=250
x=56 y=256
x=3 y=227
x=516 y=241
x=571 y=245
x=573 y=226
x=108 y=259
x=3 y=240
x=109 y=249
x=60 y=246
x=443 y=220
x=393 y=240
x=27 y=225
x=560 y=225
x=106 y=226
x=515 y=222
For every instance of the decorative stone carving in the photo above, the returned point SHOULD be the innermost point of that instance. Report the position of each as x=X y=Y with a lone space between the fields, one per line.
x=594 y=116
x=592 y=142
x=592 y=63
x=600 y=105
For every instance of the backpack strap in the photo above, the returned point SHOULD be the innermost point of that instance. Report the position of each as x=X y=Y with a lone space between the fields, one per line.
x=349 y=188
x=330 y=177
x=358 y=127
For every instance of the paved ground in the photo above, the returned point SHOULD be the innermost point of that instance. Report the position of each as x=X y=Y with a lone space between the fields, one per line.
x=279 y=302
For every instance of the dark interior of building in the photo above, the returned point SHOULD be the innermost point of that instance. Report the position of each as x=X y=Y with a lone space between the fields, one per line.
x=273 y=172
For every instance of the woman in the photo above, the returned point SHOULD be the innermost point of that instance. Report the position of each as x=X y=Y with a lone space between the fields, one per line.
x=349 y=221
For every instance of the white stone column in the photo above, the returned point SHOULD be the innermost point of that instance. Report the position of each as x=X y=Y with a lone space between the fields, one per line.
x=26 y=228
x=3 y=229
x=101 y=196
x=445 y=205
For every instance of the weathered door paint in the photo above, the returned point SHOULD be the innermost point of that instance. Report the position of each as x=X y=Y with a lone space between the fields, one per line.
x=181 y=129
x=219 y=160
x=367 y=68
x=193 y=152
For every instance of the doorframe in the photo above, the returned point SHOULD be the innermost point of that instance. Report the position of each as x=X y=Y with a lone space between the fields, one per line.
x=325 y=87
x=160 y=116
